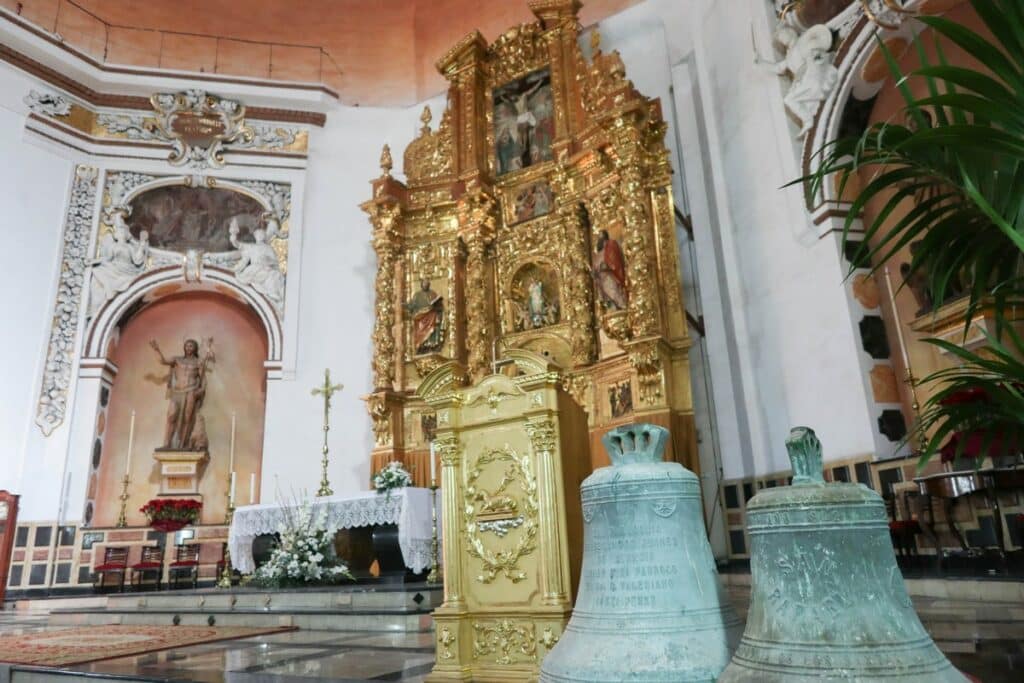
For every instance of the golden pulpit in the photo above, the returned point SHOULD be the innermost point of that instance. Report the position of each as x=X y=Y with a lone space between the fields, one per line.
x=513 y=451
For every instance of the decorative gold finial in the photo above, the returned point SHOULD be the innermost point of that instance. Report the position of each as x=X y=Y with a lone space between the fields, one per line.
x=426 y=117
x=595 y=41
x=386 y=164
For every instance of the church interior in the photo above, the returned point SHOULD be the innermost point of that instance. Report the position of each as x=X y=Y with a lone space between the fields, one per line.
x=519 y=340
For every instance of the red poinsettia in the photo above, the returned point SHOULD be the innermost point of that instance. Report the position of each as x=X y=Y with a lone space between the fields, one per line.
x=171 y=514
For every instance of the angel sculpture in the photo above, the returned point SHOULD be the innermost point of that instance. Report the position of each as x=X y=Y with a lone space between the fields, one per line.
x=119 y=260
x=258 y=266
x=808 y=60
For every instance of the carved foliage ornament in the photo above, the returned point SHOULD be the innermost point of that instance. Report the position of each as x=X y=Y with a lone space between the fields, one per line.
x=505 y=641
x=198 y=124
x=505 y=562
x=47 y=104
x=429 y=157
x=63 y=334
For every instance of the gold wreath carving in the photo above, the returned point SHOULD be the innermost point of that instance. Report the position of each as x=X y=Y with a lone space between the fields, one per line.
x=505 y=562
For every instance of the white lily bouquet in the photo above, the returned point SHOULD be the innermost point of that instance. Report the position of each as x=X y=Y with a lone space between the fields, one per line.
x=305 y=552
x=391 y=476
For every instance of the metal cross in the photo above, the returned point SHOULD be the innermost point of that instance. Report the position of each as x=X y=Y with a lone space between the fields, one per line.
x=326 y=390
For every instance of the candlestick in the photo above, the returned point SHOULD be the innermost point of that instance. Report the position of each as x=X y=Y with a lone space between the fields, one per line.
x=131 y=440
x=229 y=514
x=252 y=488
x=231 y=492
x=231 y=458
x=122 y=518
x=435 y=568
x=433 y=466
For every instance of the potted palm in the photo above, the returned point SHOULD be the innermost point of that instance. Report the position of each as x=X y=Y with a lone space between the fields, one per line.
x=958 y=158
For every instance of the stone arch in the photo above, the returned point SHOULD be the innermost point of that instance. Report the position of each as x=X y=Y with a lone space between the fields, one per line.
x=170 y=280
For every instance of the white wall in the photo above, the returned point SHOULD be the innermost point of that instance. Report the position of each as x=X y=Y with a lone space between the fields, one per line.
x=34 y=187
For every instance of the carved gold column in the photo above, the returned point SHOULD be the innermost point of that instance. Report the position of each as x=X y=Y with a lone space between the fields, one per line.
x=576 y=269
x=477 y=211
x=644 y=316
x=385 y=218
x=554 y=569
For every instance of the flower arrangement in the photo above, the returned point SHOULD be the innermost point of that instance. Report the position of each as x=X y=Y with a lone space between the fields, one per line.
x=304 y=553
x=171 y=514
x=392 y=476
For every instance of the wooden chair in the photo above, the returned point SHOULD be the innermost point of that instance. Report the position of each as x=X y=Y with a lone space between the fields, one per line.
x=115 y=561
x=152 y=562
x=185 y=564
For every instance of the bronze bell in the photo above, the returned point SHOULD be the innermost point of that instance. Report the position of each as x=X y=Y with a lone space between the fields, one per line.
x=650 y=607
x=827 y=600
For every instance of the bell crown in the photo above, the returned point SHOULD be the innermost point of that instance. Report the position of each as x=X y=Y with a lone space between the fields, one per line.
x=635 y=443
x=805 y=456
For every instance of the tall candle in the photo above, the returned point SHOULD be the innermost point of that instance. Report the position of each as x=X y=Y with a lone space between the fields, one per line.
x=252 y=488
x=231 y=495
x=433 y=465
x=131 y=439
x=231 y=463
x=896 y=321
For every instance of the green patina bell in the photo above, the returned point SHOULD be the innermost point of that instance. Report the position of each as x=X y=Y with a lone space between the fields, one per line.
x=827 y=600
x=649 y=607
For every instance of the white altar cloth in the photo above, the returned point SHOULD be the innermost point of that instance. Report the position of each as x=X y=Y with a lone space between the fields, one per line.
x=409 y=508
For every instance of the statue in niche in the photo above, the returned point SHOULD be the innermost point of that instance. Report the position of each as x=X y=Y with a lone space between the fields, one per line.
x=427 y=311
x=119 y=260
x=610 y=273
x=809 y=61
x=534 y=303
x=258 y=265
x=186 y=388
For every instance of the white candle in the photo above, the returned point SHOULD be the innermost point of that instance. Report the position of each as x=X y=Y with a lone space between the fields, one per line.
x=896 y=321
x=252 y=488
x=231 y=495
x=131 y=439
x=231 y=462
x=433 y=465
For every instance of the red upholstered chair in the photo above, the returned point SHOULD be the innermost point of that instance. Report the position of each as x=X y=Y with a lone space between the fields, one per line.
x=152 y=563
x=185 y=564
x=115 y=561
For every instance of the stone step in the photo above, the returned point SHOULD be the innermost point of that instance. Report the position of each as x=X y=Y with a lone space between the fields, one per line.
x=277 y=601
x=319 y=620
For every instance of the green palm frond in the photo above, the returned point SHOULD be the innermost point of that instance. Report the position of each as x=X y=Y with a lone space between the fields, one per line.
x=957 y=159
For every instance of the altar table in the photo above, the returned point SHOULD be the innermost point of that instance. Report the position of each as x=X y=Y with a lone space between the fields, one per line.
x=409 y=508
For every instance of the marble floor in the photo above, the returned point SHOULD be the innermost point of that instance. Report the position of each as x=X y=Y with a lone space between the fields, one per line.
x=983 y=639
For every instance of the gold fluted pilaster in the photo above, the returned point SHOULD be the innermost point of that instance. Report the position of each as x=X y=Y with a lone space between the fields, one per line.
x=447 y=447
x=554 y=565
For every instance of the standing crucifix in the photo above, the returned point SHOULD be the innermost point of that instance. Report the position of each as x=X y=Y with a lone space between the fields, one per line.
x=326 y=390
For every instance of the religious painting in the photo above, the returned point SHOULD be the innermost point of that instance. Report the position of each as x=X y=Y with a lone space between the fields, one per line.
x=534 y=301
x=428 y=425
x=178 y=218
x=426 y=309
x=620 y=399
x=533 y=201
x=524 y=121
x=609 y=270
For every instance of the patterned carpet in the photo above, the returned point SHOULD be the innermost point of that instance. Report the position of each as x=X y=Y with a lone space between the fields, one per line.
x=96 y=643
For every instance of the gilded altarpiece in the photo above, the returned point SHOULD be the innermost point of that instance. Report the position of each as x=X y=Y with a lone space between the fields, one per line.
x=537 y=216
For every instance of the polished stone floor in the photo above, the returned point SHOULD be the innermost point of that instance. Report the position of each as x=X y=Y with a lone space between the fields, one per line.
x=983 y=639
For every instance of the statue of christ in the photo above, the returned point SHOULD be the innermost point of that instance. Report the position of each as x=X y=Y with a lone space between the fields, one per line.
x=186 y=389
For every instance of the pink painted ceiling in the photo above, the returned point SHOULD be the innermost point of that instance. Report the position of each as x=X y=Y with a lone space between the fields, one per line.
x=374 y=52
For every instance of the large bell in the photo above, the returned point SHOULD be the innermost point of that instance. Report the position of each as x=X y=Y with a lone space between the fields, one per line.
x=827 y=601
x=650 y=607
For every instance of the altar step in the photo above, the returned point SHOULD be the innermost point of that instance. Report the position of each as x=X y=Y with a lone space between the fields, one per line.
x=393 y=608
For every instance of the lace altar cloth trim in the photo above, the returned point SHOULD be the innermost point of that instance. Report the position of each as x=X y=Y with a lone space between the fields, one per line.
x=409 y=508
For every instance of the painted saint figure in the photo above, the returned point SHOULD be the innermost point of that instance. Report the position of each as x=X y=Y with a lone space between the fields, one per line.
x=427 y=311
x=186 y=389
x=119 y=260
x=258 y=265
x=610 y=273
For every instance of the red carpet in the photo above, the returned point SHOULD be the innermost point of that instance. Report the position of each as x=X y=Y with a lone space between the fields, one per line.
x=60 y=647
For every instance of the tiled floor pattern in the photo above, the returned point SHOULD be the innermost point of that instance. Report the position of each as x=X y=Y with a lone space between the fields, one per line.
x=984 y=639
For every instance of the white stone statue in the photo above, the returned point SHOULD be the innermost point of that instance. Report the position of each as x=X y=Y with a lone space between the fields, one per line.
x=258 y=266
x=119 y=260
x=809 y=61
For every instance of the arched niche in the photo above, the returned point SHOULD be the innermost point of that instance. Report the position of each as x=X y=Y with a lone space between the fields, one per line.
x=132 y=419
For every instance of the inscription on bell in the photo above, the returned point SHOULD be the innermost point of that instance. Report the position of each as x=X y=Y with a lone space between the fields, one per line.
x=650 y=607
